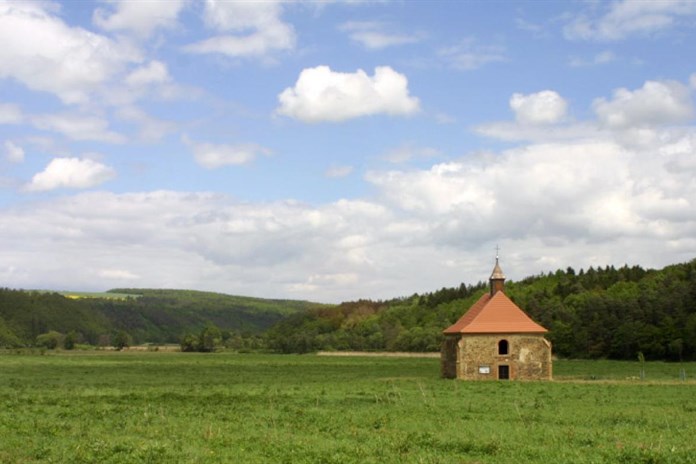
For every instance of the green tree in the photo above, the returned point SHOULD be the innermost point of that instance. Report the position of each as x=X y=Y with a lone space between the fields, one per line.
x=210 y=339
x=70 y=340
x=121 y=340
x=7 y=337
x=189 y=343
x=49 y=340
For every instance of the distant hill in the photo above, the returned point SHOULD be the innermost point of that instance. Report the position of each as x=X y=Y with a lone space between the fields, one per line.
x=147 y=315
x=594 y=313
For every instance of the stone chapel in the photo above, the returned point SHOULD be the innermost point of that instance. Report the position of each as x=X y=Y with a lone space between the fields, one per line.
x=496 y=340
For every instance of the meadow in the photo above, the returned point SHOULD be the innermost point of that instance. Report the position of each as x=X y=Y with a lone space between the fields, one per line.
x=137 y=407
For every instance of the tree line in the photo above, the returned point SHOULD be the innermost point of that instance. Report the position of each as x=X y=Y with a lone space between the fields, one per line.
x=50 y=320
x=605 y=312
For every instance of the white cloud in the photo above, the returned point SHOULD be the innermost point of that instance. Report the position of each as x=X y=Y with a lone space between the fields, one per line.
x=408 y=151
x=117 y=274
x=317 y=282
x=440 y=190
x=13 y=152
x=469 y=54
x=45 y=54
x=321 y=94
x=151 y=81
x=74 y=173
x=628 y=18
x=546 y=191
x=150 y=128
x=196 y=240
x=656 y=103
x=155 y=72
x=213 y=156
x=375 y=35
x=631 y=117
x=78 y=127
x=513 y=131
x=544 y=203
x=142 y=17
x=250 y=29
x=339 y=171
x=545 y=107
x=10 y=114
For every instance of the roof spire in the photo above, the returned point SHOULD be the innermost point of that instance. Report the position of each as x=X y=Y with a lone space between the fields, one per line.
x=497 y=278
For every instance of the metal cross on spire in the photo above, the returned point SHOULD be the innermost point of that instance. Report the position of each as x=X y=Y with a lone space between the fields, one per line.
x=497 y=249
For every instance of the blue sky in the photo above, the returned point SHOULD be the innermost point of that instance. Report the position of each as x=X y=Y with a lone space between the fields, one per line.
x=339 y=150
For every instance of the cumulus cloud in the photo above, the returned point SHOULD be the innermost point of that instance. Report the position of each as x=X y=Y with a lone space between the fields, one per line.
x=78 y=126
x=13 y=152
x=45 y=54
x=628 y=18
x=155 y=72
x=547 y=191
x=539 y=116
x=74 y=173
x=423 y=229
x=631 y=117
x=213 y=156
x=247 y=29
x=142 y=18
x=446 y=182
x=197 y=240
x=375 y=35
x=656 y=103
x=469 y=54
x=546 y=202
x=321 y=94
x=545 y=107
x=150 y=81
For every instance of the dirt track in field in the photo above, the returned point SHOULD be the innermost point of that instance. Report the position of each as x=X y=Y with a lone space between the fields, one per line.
x=391 y=354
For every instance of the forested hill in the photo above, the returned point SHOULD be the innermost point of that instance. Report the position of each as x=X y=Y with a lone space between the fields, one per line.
x=593 y=313
x=156 y=316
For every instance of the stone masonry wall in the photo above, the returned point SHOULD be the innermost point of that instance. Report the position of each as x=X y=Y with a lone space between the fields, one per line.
x=528 y=358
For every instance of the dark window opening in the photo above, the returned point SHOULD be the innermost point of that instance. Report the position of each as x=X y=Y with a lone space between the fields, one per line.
x=503 y=347
x=503 y=372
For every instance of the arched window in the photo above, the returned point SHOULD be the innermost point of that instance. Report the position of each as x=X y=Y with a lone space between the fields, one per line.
x=503 y=347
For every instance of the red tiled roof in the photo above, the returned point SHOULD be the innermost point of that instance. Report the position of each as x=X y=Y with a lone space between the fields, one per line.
x=494 y=314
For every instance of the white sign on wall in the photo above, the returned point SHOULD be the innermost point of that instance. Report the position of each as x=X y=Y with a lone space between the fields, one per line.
x=484 y=369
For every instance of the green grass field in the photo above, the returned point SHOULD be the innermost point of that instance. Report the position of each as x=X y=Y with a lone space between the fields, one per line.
x=225 y=408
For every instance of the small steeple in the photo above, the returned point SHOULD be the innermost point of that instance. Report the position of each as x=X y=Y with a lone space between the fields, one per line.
x=497 y=278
